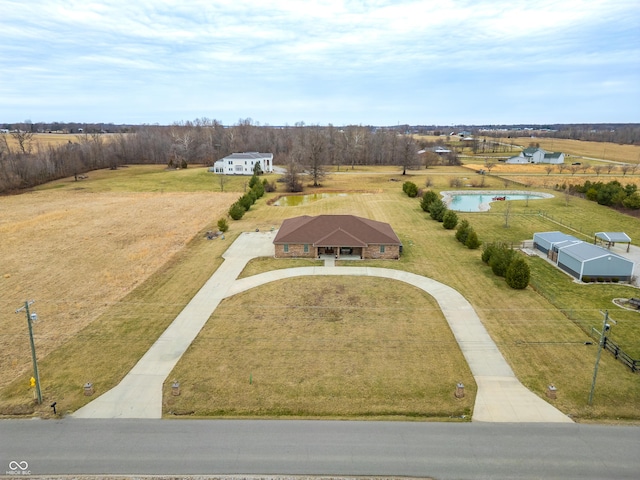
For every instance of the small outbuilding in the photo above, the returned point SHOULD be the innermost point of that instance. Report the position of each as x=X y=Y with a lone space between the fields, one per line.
x=544 y=241
x=584 y=259
x=611 y=238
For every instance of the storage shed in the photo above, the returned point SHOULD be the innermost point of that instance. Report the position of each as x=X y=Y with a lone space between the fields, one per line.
x=585 y=259
x=543 y=241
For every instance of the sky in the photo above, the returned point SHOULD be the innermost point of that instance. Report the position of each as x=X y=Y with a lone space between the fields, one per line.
x=279 y=62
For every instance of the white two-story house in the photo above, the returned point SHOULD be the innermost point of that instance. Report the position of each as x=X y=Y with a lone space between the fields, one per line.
x=243 y=163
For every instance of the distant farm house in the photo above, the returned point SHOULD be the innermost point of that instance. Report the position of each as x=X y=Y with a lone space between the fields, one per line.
x=243 y=163
x=437 y=149
x=340 y=236
x=537 y=155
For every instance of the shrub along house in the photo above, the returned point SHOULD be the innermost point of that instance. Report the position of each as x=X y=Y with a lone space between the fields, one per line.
x=336 y=235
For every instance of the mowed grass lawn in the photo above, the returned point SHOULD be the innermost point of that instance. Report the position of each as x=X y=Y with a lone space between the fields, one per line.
x=337 y=347
x=541 y=343
x=539 y=340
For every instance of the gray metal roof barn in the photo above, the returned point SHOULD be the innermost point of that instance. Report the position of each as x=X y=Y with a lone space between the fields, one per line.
x=587 y=260
x=543 y=241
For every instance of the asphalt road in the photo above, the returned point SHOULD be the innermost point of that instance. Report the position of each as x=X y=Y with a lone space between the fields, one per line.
x=439 y=450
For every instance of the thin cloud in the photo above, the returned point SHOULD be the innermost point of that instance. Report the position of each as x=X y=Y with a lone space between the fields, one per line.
x=279 y=62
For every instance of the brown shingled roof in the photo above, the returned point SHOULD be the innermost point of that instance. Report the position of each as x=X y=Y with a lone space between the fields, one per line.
x=328 y=230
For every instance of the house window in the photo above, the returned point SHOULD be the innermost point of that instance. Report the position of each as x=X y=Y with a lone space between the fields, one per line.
x=285 y=247
x=381 y=248
x=306 y=248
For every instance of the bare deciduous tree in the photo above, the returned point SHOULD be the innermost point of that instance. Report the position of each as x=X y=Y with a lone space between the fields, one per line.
x=507 y=214
x=409 y=153
x=23 y=137
x=598 y=169
x=312 y=155
x=292 y=176
x=430 y=159
x=489 y=165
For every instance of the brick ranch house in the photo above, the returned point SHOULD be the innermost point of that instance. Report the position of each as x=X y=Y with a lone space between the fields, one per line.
x=339 y=235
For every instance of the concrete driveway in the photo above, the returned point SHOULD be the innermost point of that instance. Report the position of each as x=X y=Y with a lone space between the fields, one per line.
x=500 y=396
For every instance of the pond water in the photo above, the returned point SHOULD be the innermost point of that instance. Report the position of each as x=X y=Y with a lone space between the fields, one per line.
x=295 y=200
x=480 y=202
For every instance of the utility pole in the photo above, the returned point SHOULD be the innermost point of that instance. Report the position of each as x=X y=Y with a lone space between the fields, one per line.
x=33 y=348
x=603 y=339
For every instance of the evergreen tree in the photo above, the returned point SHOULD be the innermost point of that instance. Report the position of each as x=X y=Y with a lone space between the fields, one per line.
x=463 y=231
x=450 y=220
x=518 y=273
x=472 y=241
x=223 y=226
x=487 y=251
x=437 y=210
x=410 y=188
x=428 y=198
x=500 y=260
x=236 y=211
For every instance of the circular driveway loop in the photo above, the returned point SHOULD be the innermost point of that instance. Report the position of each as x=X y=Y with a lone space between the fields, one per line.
x=500 y=397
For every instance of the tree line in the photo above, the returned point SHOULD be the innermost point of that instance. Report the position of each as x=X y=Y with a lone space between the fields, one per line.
x=301 y=148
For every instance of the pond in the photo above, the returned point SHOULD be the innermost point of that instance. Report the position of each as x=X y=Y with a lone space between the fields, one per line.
x=480 y=201
x=296 y=200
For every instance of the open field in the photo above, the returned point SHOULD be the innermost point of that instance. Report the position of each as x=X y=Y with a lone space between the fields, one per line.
x=537 y=177
x=44 y=140
x=571 y=148
x=541 y=343
x=577 y=148
x=340 y=348
x=78 y=251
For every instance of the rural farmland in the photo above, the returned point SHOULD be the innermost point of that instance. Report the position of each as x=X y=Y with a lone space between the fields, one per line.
x=111 y=260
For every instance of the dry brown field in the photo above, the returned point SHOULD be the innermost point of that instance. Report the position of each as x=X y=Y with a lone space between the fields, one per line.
x=78 y=252
x=44 y=140
x=598 y=150
x=572 y=148
x=536 y=176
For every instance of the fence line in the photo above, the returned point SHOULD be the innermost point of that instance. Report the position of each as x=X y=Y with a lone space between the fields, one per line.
x=569 y=226
x=610 y=345
x=620 y=354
